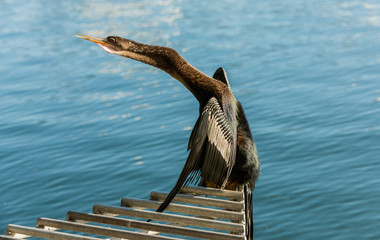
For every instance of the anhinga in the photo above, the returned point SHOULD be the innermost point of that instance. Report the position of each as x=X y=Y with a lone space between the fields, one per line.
x=222 y=150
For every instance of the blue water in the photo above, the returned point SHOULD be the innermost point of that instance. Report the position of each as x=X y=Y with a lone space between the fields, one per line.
x=79 y=126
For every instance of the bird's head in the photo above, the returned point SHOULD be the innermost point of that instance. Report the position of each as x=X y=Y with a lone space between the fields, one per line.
x=157 y=56
x=114 y=44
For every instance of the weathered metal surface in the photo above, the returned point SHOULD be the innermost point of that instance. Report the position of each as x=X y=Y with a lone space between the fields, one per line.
x=41 y=233
x=97 y=230
x=4 y=237
x=171 y=218
x=203 y=201
x=236 y=195
x=185 y=209
x=143 y=225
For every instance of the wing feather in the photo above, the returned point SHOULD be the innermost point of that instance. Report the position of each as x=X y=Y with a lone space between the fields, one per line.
x=217 y=134
x=212 y=148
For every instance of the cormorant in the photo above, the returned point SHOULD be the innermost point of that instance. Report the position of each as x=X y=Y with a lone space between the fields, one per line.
x=222 y=151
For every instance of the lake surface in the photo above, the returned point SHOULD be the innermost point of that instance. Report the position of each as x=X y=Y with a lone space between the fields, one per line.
x=79 y=126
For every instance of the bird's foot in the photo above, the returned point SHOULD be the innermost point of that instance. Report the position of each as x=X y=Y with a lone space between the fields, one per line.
x=212 y=185
x=232 y=185
x=204 y=183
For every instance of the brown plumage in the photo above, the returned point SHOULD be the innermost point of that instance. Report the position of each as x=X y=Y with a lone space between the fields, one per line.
x=222 y=150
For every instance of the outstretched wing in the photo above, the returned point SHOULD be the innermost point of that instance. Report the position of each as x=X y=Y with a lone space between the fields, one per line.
x=212 y=148
x=214 y=136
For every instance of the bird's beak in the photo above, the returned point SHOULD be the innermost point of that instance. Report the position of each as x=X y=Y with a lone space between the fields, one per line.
x=100 y=41
x=92 y=39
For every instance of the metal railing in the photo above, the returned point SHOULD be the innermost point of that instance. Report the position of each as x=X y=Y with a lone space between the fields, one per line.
x=197 y=212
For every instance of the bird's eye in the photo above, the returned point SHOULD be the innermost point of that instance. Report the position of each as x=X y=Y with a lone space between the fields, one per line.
x=111 y=40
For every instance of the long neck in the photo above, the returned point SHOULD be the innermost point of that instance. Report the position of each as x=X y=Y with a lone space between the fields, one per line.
x=202 y=86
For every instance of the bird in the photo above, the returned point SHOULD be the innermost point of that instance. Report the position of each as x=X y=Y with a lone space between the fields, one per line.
x=222 y=152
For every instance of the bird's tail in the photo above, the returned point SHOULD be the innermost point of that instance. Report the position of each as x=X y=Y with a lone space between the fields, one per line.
x=189 y=174
x=248 y=212
x=180 y=182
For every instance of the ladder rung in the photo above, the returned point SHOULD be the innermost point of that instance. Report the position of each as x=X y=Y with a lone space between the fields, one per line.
x=97 y=230
x=203 y=201
x=166 y=217
x=4 y=237
x=40 y=233
x=237 y=195
x=193 y=210
x=170 y=229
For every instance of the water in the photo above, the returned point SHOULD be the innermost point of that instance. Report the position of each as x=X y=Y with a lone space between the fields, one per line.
x=79 y=126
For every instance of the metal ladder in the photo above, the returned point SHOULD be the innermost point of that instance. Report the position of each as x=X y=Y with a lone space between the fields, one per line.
x=196 y=213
